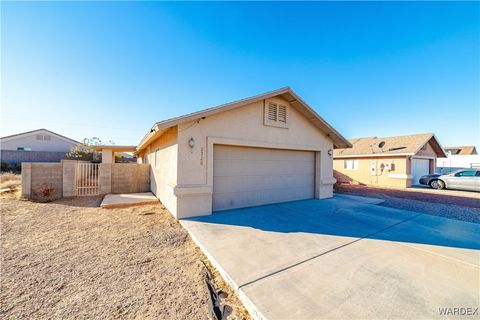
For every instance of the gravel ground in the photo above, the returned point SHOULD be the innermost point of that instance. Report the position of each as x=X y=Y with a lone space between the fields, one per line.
x=70 y=259
x=451 y=207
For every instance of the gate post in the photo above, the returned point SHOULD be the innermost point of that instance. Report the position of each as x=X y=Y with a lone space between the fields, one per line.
x=68 y=172
x=26 y=179
x=105 y=178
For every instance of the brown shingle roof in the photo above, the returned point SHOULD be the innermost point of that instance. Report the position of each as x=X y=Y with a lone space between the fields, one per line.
x=462 y=150
x=399 y=145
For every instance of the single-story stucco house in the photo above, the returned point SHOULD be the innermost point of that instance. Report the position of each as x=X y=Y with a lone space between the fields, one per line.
x=388 y=161
x=260 y=150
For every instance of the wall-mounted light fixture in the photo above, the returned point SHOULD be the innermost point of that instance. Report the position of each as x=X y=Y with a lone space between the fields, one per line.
x=330 y=152
x=191 y=142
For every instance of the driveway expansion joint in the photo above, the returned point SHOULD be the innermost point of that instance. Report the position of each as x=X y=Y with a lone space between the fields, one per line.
x=328 y=251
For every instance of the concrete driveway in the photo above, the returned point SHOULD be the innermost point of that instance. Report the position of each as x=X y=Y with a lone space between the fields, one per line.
x=343 y=258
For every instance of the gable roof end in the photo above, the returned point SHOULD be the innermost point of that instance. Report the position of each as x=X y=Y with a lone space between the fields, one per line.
x=295 y=101
x=37 y=130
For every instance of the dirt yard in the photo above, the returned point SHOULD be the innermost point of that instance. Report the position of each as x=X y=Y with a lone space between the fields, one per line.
x=72 y=260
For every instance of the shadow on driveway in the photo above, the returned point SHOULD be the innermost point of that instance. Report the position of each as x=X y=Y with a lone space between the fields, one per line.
x=343 y=217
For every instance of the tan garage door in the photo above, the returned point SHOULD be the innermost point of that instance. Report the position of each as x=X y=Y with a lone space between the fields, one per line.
x=244 y=176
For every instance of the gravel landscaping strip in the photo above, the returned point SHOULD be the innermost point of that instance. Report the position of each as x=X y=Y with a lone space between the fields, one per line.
x=409 y=193
x=436 y=209
x=451 y=207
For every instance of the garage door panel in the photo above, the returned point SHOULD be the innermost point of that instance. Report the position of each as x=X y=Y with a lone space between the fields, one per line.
x=246 y=176
x=241 y=199
x=258 y=183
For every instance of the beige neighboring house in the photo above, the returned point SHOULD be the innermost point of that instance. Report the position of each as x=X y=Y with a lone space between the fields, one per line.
x=389 y=161
x=265 y=149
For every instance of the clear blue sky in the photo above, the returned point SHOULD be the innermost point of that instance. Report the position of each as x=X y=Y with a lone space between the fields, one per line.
x=113 y=69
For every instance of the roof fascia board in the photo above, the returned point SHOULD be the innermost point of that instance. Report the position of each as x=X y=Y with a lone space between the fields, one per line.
x=207 y=112
x=337 y=138
x=374 y=155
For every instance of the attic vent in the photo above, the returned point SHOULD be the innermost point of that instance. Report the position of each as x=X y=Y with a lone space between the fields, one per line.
x=282 y=114
x=272 y=112
x=43 y=137
x=276 y=114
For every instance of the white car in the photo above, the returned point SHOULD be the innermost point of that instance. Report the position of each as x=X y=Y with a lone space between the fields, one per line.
x=465 y=179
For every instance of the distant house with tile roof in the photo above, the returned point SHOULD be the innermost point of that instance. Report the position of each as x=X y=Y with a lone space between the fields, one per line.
x=397 y=161
x=461 y=150
x=460 y=157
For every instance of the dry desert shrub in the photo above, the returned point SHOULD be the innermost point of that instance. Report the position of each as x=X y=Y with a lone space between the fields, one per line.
x=10 y=181
x=45 y=193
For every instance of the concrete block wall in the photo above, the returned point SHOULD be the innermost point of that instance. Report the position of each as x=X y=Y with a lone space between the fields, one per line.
x=68 y=183
x=60 y=179
x=130 y=177
x=105 y=178
x=42 y=181
x=19 y=156
x=26 y=180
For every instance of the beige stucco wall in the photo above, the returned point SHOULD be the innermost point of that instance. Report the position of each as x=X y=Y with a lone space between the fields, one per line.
x=399 y=177
x=185 y=184
x=429 y=152
x=163 y=174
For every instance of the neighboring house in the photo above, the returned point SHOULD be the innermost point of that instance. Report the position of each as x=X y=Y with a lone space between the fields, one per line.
x=461 y=151
x=40 y=145
x=462 y=157
x=265 y=149
x=389 y=161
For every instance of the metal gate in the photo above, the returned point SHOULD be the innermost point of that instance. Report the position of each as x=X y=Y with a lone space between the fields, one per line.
x=86 y=179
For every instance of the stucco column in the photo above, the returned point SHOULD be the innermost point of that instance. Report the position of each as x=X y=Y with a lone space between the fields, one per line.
x=107 y=156
x=324 y=179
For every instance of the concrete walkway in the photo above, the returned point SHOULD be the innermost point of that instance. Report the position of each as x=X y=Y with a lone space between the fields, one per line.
x=342 y=258
x=128 y=199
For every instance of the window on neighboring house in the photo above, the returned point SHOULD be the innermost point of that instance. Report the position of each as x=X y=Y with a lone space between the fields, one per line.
x=276 y=114
x=157 y=158
x=350 y=164
x=24 y=149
